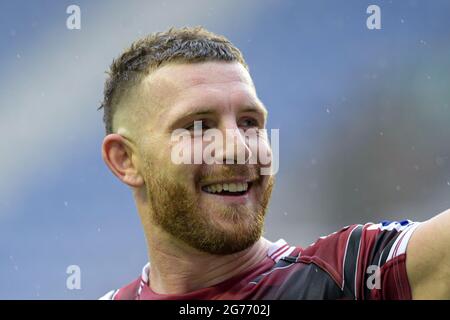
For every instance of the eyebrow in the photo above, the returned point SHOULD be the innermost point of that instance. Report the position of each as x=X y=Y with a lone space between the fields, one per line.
x=257 y=107
x=197 y=112
x=200 y=111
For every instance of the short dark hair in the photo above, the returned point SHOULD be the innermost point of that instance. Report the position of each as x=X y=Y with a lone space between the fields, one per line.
x=145 y=55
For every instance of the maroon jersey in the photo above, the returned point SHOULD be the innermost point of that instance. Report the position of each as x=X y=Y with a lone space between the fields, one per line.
x=358 y=262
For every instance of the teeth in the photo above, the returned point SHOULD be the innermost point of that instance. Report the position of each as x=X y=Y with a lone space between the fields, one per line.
x=230 y=187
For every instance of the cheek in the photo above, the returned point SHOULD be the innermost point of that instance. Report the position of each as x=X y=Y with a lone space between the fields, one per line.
x=186 y=175
x=264 y=152
x=169 y=161
x=180 y=147
x=260 y=148
x=156 y=163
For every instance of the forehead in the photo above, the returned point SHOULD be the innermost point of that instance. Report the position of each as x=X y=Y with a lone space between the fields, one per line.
x=207 y=83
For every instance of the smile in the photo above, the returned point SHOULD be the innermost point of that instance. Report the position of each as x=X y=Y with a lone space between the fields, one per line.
x=228 y=189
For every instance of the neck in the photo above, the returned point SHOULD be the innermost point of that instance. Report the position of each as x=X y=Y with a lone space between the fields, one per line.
x=179 y=269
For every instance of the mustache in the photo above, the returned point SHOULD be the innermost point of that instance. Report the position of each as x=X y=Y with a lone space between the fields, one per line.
x=229 y=171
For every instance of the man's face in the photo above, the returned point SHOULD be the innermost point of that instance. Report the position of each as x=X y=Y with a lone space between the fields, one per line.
x=186 y=200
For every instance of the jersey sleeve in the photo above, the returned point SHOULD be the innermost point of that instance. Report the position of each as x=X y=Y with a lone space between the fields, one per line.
x=366 y=261
x=382 y=267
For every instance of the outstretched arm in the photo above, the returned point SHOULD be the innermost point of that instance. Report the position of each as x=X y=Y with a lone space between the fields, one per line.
x=428 y=259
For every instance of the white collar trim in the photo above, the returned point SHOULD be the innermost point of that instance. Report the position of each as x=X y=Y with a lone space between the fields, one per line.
x=277 y=250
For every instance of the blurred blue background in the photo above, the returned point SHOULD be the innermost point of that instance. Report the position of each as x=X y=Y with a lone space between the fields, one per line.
x=363 y=116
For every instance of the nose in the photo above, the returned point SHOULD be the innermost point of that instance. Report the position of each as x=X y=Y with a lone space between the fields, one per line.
x=235 y=149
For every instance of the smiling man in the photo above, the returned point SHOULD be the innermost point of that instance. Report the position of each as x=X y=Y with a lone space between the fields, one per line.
x=204 y=222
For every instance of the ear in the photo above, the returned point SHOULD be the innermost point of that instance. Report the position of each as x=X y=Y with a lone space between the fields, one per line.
x=120 y=158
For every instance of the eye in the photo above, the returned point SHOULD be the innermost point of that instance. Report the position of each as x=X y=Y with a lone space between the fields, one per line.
x=248 y=123
x=204 y=124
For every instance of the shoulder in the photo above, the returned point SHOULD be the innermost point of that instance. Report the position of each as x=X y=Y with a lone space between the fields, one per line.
x=130 y=291
x=351 y=254
x=361 y=237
